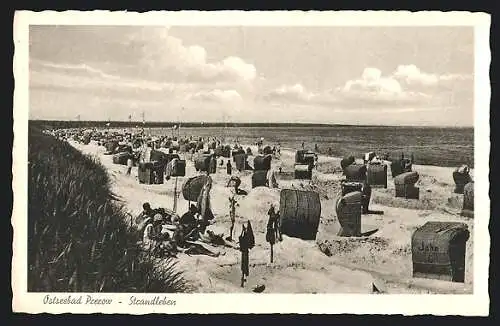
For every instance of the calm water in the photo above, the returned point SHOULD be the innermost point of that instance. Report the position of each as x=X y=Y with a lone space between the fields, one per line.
x=430 y=146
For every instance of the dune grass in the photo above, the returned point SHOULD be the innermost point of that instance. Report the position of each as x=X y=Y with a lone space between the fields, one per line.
x=78 y=238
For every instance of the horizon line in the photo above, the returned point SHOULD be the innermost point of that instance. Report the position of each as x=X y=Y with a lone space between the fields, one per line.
x=233 y=124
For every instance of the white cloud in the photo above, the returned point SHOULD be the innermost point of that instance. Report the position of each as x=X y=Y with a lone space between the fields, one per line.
x=375 y=88
x=407 y=85
x=167 y=56
x=83 y=78
x=295 y=92
x=413 y=76
x=457 y=77
x=37 y=65
x=372 y=89
x=165 y=69
x=371 y=81
x=216 y=95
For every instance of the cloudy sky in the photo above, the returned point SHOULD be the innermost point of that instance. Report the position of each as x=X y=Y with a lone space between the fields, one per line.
x=349 y=75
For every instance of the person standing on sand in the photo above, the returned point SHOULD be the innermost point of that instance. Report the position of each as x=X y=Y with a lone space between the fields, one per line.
x=247 y=242
x=272 y=229
x=232 y=214
x=229 y=168
x=212 y=166
x=130 y=164
x=274 y=223
x=303 y=145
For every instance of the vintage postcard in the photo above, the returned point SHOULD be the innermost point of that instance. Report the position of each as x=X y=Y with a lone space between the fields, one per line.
x=251 y=162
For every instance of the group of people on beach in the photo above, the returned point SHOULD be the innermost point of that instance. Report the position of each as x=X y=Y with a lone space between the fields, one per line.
x=165 y=233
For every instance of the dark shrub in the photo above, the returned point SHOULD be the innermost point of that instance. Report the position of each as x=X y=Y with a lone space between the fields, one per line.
x=78 y=238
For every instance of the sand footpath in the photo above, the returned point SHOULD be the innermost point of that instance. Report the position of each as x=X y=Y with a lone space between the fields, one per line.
x=383 y=258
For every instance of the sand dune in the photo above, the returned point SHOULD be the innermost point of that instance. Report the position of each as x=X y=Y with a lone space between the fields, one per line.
x=299 y=266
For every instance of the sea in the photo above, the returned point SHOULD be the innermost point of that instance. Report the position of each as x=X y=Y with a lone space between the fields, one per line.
x=447 y=147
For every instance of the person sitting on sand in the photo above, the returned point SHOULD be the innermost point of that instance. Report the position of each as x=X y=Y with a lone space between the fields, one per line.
x=153 y=232
x=157 y=233
x=147 y=212
x=188 y=220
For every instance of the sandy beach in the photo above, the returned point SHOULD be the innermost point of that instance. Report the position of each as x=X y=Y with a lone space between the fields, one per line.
x=299 y=266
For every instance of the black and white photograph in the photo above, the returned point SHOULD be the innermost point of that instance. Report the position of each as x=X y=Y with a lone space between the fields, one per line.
x=164 y=159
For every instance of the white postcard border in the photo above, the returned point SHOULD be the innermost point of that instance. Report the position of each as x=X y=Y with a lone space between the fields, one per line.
x=475 y=304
